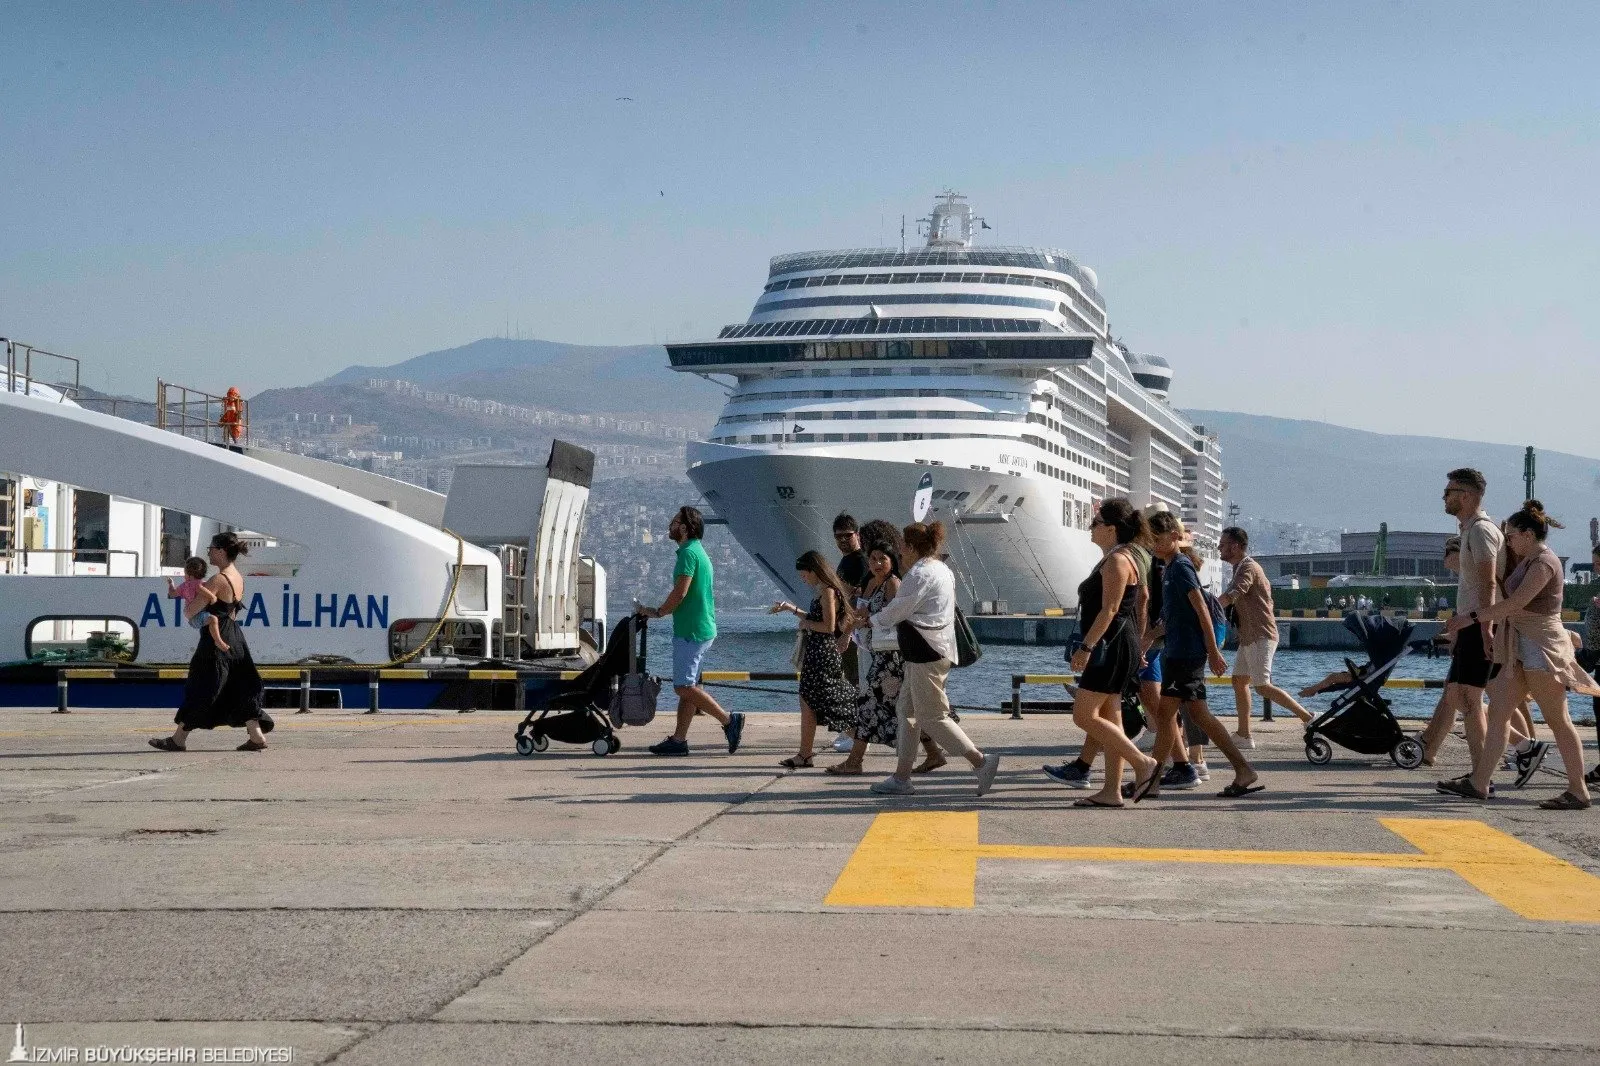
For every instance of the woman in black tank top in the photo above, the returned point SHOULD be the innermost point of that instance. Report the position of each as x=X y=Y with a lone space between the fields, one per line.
x=1109 y=658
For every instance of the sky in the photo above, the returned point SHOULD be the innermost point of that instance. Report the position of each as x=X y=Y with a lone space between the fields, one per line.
x=1381 y=215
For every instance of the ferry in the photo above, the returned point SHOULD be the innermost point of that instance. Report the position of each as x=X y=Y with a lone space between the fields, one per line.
x=979 y=385
x=346 y=569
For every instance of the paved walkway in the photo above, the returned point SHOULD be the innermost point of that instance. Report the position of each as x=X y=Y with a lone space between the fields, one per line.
x=404 y=888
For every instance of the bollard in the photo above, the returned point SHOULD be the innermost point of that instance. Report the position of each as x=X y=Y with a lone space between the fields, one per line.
x=305 y=692
x=1016 y=697
x=372 y=694
x=61 y=694
x=1266 y=709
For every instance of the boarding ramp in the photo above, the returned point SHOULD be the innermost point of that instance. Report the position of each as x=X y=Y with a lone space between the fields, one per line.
x=413 y=501
x=540 y=511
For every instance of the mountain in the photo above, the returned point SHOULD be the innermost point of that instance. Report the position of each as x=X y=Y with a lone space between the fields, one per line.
x=1330 y=476
x=634 y=379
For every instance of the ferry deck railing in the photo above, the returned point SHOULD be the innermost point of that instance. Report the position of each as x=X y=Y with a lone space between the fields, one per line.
x=27 y=365
x=14 y=558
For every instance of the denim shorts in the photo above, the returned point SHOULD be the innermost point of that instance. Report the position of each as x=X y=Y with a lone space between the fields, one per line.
x=686 y=657
x=1151 y=671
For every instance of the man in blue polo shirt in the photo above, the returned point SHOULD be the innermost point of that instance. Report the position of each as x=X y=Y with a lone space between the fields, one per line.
x=693 y=608
x=1191 y=648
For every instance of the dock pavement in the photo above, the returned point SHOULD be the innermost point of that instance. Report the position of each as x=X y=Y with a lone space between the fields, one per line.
x=404 y=888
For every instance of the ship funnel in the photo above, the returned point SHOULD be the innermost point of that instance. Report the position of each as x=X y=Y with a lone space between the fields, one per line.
x=950 y=225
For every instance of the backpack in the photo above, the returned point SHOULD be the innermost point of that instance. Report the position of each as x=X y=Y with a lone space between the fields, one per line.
x=634 y=702
x=1219 y=616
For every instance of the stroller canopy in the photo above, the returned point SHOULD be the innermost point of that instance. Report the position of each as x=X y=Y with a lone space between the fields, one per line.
x=1383 y=640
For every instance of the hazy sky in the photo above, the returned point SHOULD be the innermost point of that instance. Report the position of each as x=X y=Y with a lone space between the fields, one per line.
x=1380 y=215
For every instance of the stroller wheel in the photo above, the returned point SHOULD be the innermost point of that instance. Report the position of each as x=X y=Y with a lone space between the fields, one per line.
x=540 y=742
x=601 y=746
x=524 y=744
x=1407 y=754
x=616 y=745
x=1318 y=751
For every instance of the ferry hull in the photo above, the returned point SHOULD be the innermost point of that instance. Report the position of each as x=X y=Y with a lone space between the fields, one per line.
x=778 y=505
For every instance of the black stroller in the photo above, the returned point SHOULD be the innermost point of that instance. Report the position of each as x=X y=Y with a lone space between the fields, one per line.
x=584 y=701
x=1359 y=717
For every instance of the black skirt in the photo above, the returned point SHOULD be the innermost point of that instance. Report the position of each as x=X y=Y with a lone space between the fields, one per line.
x=224 y=687
x=1114 y=663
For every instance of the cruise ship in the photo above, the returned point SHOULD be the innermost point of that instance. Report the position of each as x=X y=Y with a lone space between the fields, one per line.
x=978 y=385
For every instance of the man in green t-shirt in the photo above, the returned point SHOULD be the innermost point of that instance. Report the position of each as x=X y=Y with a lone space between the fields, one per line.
x=694 y=626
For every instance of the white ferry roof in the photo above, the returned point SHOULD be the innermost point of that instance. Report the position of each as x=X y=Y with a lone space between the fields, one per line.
x=103 y=453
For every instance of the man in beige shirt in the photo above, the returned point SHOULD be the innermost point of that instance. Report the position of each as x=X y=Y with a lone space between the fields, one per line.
x=1482 y=544
x=1249 y=593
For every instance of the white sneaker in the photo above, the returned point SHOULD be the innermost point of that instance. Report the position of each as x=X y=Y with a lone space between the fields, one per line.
x=843 y=742
x=1245 y=743
x=892 y=786
x=1202 y=771
x=986 y=772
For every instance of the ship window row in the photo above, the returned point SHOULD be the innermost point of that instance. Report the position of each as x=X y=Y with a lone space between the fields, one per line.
x=1065 y=453
x=1028 y=259
x=1048 y=351
x=831 y=438
x=1065 y=475
x=949 y=277
x=875 y=394
x=865 y=416
x=911 y=298
x=1089 y=444
x=813 y=327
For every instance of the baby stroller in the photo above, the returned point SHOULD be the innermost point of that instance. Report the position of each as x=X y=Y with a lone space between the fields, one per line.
x=613 y=690
x=1359 y=717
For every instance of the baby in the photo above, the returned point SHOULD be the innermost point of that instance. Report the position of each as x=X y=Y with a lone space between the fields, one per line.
x=196 y=597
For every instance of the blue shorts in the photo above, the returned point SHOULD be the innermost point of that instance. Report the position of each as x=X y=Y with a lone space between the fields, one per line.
x=1152 y=670
x=686 y=656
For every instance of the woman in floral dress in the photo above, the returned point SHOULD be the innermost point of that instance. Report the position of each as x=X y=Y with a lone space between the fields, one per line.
x=825 y=695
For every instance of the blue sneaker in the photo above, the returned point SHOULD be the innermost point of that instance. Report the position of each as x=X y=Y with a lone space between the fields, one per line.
x=670 y=746
x=1180 y=777
x=733 y=730
x=1072 y=774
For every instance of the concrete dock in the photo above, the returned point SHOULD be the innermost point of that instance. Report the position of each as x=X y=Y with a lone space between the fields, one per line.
x=403 y=888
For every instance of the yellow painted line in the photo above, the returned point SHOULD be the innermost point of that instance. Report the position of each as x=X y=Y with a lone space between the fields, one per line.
x=491 y=675
x=90 y=675
x=401 y=675
x=725 y=675
x=173 y=673
x=1054 y=612
x=1067 y=679
x=930 y=859
x=272 y=673
x=1405 y=682
x=568 y=675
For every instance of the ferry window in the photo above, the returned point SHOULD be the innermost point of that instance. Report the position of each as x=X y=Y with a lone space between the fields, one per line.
x=114 y=639
x=833 y=438
x=930 y=277
x=903 y=279
x=174 y=537
x=876 y=279
x=472 y=589
x=831 y=279
x=91 y=524
x=858 y=437
x=853 y=279
x=466 y=637
x=758 y=438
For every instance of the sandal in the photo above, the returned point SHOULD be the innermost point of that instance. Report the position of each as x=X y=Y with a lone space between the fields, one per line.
x=844 y=769
x=796 y=763
x=1090 y=801
x=1565 y=802
x=1235 y=790
x=1463 y=787
x=1143 y=787
x=928 y=766
x=166 y=744
x=251 y=745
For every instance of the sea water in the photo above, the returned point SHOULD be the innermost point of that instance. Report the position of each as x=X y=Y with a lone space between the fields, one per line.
x=757 y=641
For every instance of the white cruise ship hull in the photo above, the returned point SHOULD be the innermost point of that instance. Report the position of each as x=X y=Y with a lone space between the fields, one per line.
x=780 y=504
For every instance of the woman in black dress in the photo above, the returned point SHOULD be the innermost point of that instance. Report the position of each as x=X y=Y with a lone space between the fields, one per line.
x=825 y=695
x=1109 y=658
x=224 y=687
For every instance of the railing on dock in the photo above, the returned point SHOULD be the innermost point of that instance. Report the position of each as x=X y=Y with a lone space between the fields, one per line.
x=1017 y=704
x=27 y=366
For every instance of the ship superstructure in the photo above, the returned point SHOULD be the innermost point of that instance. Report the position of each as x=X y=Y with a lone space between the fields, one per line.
x=991 y=369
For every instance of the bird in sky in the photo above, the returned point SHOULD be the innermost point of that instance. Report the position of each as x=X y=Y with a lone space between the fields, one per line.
x=628 y=98
x=663 y=192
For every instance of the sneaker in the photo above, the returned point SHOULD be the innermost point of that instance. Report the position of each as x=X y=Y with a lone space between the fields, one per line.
x=1592 y=777
x=892 y=786
x=1245 y=743
x=986 y=772
x=1182 y=776
x=1528 y=764
x=1508 y=761
x=670 y=746
x=841 y=743
x=1072 y=774
x=734 y=730
x=1202 y=772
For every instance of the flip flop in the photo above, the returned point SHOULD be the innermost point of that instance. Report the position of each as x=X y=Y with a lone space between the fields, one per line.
x=251 y=745
x=1141 y=789
x=1090 y=801
x=1565 y=802
x=927 y=766
x=166 y=744
x=1234 y=791
x=844 y=770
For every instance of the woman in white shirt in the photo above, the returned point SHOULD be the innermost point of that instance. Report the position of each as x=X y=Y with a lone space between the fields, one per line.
x=922 y=616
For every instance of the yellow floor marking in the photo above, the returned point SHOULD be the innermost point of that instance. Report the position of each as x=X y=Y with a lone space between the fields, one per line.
x=931 y=860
